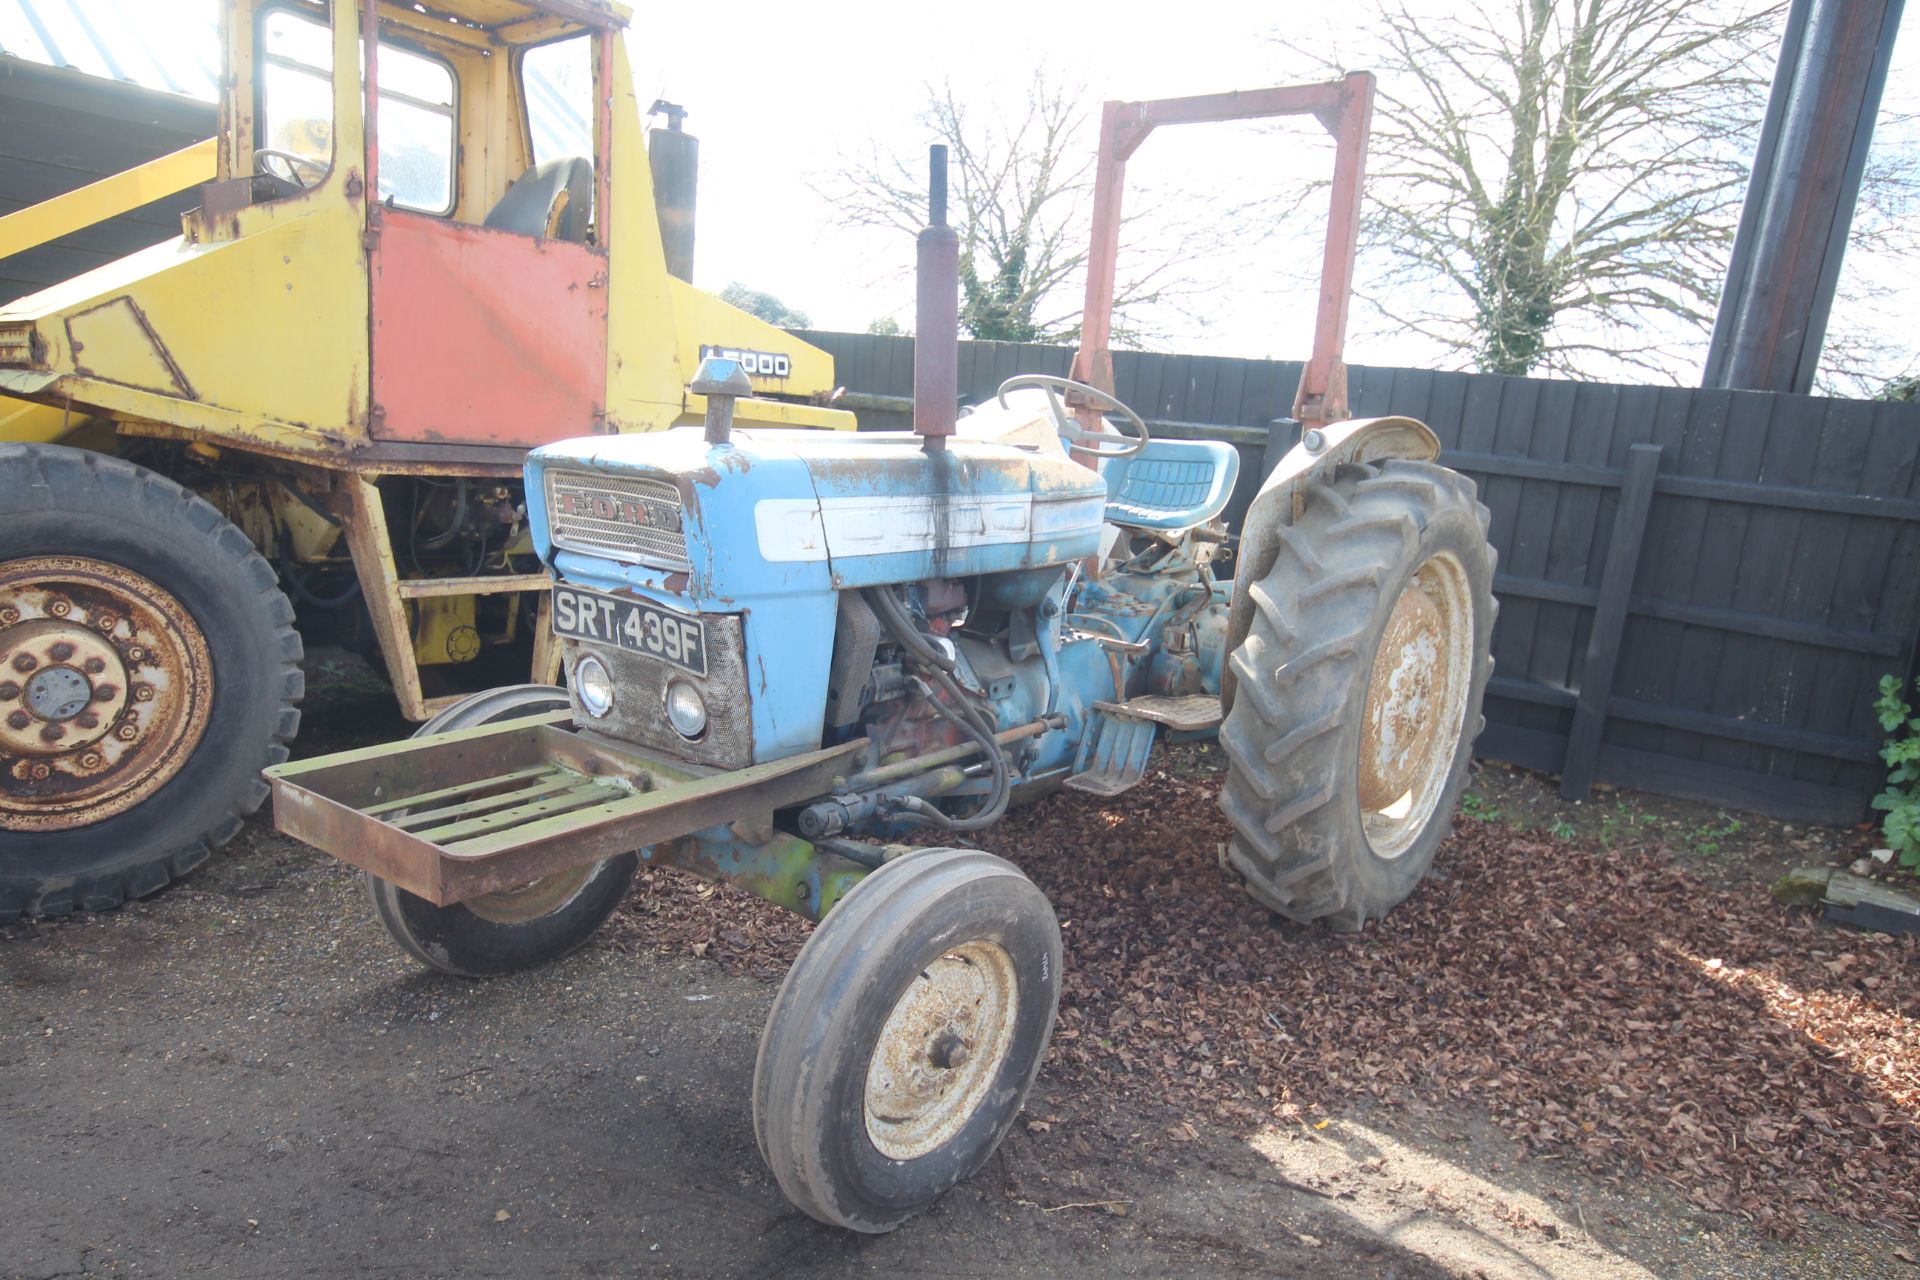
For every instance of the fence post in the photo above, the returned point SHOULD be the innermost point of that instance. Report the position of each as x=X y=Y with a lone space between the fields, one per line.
x=1282 y=434
x=1609 y=621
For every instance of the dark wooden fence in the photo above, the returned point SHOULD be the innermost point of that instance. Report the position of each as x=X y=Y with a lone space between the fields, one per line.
x=1700 y=590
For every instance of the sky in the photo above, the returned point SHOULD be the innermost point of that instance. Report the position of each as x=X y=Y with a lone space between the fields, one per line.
x=778 y=93
x=788 y=92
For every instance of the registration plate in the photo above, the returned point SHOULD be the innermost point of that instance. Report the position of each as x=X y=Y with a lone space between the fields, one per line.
x=633 y=625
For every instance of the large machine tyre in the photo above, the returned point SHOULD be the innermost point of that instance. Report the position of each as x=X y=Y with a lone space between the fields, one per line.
x=149 y=670
x=514 y=929
x=903 y=1042
x=1358 y=692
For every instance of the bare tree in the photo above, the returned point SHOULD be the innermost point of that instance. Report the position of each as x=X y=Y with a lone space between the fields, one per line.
x=1020 y=197
x=1568 y=172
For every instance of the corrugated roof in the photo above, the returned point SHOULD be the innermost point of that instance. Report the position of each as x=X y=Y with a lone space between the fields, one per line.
x=172 y=47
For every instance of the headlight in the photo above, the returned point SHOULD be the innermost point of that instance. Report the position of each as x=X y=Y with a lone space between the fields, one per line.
x=685 y=710
x=592 y=685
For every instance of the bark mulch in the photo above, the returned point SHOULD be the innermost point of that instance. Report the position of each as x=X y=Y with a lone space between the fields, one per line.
x=1603 y=1004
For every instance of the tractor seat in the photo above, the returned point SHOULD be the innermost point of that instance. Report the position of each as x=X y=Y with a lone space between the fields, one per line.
x=1171 y=484
x=553 y=200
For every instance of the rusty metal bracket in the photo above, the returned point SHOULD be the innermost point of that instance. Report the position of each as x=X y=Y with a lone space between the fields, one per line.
x=1345 y=108
x=357 y=505
x=453 y=816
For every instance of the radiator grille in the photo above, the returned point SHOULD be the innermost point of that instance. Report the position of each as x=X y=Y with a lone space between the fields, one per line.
x=621 y=517
x=639 y=710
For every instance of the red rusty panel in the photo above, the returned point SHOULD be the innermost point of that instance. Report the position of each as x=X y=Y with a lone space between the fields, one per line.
x=485 y=337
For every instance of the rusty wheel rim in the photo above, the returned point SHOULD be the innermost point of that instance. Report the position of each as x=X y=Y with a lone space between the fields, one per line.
x=1416 y=704
x=942 y=1048
x=532 y=901
x=106 y=686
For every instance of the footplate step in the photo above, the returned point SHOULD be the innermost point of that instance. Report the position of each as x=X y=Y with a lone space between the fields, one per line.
x=1187 y=713
x=1122 y=742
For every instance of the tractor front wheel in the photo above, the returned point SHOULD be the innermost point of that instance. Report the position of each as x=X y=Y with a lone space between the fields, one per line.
x=905 y=1037
x=513 y=929
x=1358 y=691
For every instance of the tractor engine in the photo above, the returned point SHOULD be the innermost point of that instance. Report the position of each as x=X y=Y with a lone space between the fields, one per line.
x=722 y=595
x=735 y=602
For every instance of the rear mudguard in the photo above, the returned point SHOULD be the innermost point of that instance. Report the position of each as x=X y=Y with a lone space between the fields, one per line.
x=1283 y=493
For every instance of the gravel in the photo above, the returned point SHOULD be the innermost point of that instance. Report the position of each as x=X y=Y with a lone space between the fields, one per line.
x=1603 y=1005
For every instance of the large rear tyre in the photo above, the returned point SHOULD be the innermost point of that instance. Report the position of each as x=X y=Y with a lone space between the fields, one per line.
x=905 y=1037
x=149 y=670
x=514 y=929
x=1358 y=692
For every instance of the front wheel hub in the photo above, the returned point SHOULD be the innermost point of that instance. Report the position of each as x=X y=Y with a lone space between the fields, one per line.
x=941 y=1050
x=106 y=685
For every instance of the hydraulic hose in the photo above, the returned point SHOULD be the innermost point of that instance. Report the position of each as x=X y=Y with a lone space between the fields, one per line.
x=1002 y=792
x=296 y=578
x=959 y=712
x=459 y=519
x=899 y=623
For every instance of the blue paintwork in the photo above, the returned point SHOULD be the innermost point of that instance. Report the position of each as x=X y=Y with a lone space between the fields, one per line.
x=789 y=608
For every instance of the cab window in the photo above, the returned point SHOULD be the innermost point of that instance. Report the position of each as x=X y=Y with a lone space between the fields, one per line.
x=557 y=80
x=416 y=112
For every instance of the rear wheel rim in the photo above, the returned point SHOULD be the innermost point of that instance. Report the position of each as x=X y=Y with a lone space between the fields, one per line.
x=941 y=1050
x=1416 y=704
x=106 y=687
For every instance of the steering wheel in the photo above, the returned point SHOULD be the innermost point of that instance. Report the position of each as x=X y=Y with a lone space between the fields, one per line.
x=295 y=165
x=1098 y=444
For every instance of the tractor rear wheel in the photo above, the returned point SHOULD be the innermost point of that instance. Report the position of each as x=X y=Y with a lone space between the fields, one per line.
x=1358 y=691
x=149 y=670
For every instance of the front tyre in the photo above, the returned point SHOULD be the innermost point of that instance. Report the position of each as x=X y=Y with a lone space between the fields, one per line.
x=905 y=1037
x=1358 y=693
x=513 y=929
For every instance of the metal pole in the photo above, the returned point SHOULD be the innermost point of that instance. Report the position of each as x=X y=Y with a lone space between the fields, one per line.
x=1093 y=362
x=1321 y=397
x=1806 y=181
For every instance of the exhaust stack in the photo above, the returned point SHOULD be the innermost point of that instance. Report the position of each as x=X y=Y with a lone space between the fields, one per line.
x=674 y=156
x=936 y=332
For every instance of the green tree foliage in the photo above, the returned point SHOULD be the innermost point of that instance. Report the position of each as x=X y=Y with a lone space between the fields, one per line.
x=1901 y=800
x=1570 y=172
x=764 y=305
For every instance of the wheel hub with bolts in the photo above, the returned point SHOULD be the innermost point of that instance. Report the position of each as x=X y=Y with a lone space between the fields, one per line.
x=1416 y=704
x=941 y=1050
x=105 y=690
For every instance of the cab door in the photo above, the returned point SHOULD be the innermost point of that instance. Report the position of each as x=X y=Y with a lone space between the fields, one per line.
x=488 y=333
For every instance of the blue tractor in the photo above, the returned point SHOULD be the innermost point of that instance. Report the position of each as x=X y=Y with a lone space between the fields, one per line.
x=788 y=653
x=793 y=658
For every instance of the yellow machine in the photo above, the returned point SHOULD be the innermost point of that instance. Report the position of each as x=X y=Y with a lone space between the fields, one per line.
x=320 y=393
